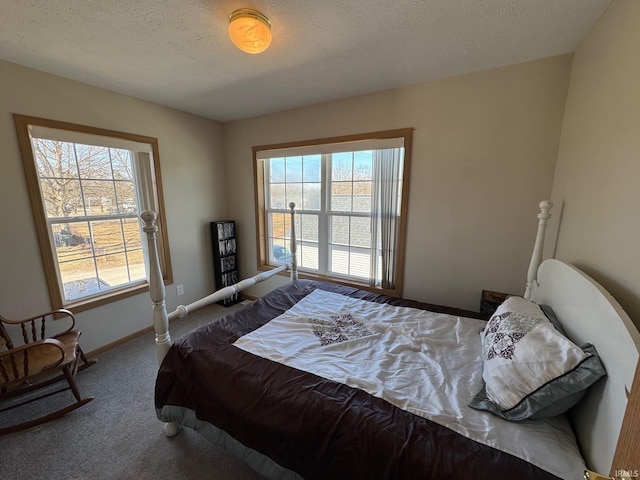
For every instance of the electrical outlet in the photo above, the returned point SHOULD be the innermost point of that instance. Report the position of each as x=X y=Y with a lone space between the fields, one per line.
x=179 y=290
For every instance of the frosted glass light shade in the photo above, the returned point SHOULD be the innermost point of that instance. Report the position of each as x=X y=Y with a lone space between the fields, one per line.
x=249 y=30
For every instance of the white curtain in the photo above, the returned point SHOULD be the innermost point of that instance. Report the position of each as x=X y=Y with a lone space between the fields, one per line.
x=385 y=215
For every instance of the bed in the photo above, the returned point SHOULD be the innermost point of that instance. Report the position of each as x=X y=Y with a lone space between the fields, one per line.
x=269 y=382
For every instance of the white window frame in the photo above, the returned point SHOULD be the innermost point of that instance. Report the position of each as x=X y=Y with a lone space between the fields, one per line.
x=325 y=147
x=148 y=186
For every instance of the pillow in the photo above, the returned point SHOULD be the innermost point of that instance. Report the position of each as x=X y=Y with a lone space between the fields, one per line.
x=530 y=369
x=551 y=315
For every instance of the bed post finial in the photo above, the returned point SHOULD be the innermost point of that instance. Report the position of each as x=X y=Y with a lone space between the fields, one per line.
x=536 y=255
x=156 y=286
x=292 y=246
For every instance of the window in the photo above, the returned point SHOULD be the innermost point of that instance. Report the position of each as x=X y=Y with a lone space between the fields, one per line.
x=351 y=203
x=88 y=187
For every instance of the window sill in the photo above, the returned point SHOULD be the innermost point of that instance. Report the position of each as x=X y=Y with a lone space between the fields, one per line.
x=362 y=285
x=84 y=304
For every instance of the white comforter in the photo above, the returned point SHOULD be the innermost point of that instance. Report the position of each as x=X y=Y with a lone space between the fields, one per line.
x=426 y=363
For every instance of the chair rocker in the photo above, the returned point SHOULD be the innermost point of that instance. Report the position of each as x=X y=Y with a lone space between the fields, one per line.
x=40 y=361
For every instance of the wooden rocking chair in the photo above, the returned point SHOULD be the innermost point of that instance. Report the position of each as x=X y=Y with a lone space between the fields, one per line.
x=40 y=361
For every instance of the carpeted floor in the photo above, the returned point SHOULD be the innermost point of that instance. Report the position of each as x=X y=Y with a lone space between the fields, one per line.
x=117 y=435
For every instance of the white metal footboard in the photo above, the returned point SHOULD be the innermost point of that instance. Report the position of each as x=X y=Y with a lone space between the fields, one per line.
x=157 y=291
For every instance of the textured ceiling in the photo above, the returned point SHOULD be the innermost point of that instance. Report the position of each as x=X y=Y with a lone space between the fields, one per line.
x=177 y=53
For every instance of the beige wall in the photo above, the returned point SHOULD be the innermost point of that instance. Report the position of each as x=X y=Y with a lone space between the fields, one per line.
x=597 y=181
x=484 y=156
x=485 y=149
x=193 y=181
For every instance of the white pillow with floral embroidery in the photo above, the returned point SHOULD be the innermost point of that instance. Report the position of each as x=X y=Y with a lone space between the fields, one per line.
x=523 y=352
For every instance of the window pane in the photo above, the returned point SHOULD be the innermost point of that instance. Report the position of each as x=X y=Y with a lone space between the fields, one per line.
x=277 y=197
x=61 y=197
x=294 y=169
x=350 y=262
x=359 y=263
x=93 y=162
x=307 y=228
x=81 y=286
x=137 y=270
x=294 y=194
x=362 y=197
x=307 y=245
x=133 y=245
x=311 y=196
x=108 y=237
x=280 y=224
x=122 y=164
x=71 y=242
x=132 y=234
x=276 y=170
x=360 y=232
x=308 y=255
x=339 y=259
x=363 y=165
x=99 y=196
x=126 y=197
x=341 y=196
x=54 y=159
x=342 y=166
x=339 y=230
x=113 y=269
x=312 y=168
x=76 y=244
x=74 y=254
x=279 y=251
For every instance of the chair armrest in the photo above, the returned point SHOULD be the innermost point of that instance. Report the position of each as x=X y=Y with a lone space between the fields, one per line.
x=34 y=328
x=28 y=360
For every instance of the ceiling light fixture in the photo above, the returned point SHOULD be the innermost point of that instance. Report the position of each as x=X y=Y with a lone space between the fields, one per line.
x=249 y=30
